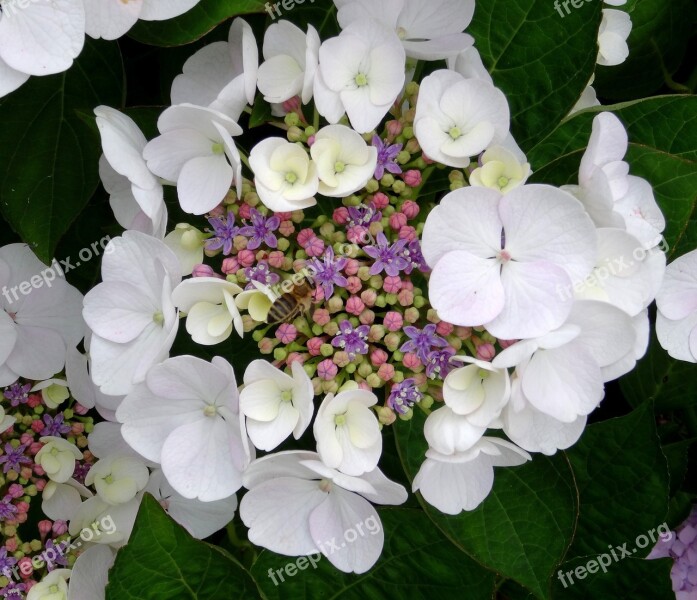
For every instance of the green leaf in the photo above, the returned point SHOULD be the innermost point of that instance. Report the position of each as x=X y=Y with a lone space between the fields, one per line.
x=416 y=560
x=193 y=24
x=667 y=382
x=541 y=61
x=657 y=46
x=162 y=560
x=623 y=485
x=49 y=156
x=631 y=578
x=662 y=149
x=524 y=527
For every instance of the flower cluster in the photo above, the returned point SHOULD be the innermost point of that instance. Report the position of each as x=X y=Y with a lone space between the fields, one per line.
x=43 y=443
x=388 y=257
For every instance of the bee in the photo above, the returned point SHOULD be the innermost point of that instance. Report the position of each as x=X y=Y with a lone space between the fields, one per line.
x=289 y=306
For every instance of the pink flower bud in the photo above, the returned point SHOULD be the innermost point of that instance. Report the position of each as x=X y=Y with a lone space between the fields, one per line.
x=367 y=317
x=393 y=321
x=305 y=236
x=45 y=526
x=266 y=346
x=394 y=128
x=311 y=141
x=37 y=426
x=412 y=178
x=246 y=258
x=314 y=345
x=381 y=200
x=341 y=215
x=295 y=357
x=369 y=297
x=245 y=211
x=283 y=216
x=354 y=285
x=40 y=484
x=25 y=567
x=276 y=259
x=407 y=284
x=22 y=507
x=15 y=490
x=352 y=266
x=507 y=343
x=78 y=409
x=392 y=285
x=420 y=379
x=315 y=247
x=411 y=361
x=218 y=211
x=378 y=357
x=386 y=372
x=287 y=228
x=327 y=370
x=291 y=105
x=77 y=428
x=408 y=233
x=405 y=298
x=354 y=305
x=26 y=472
x=34 y=448
x=34 y=400
x=287 y=333
x=59 y=527
x=26 y=438
x=410 y=209
x=11 y=544
x=397 y=221
x=443 y=328
x=486 y=352
x=358 y=235
x=321 y=316
x=204 y=271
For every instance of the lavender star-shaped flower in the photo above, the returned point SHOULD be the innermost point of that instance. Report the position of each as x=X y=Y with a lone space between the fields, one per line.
x=262 y=274
x=17 y=393
x=59 y=551
x=225 y=232
x=7 y=509
x=54 y=426
x=327 y=272
x=261 y=230
x=387 y=158
x=412 y=253
x=403 y=396
x=352 y=340
x=388 y=258
x=13 y=591
x=438 y=362
x=6 y=561
x=363 y=215
x=14 y=457
x=422 y=341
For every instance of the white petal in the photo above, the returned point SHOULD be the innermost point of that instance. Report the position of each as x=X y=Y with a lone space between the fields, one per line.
x=42 y=37
x=90 y=573
x=110 y=20
x=336 y=520
x=10 y=79
x=535 y=302
x=564 y=383
x=204 y=459
x=161 y=10
x=277 y=513
x=466 y=290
